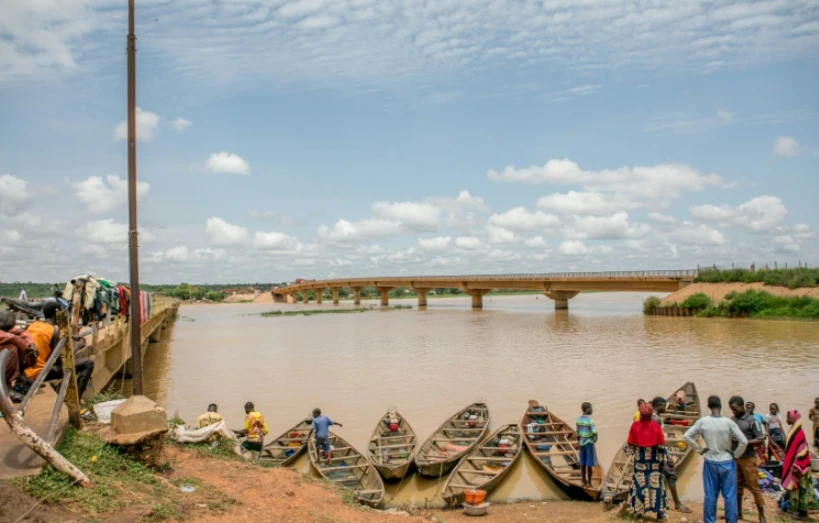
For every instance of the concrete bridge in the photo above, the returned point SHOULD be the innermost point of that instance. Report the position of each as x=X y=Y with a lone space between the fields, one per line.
x=108 y=345
x=560 y=287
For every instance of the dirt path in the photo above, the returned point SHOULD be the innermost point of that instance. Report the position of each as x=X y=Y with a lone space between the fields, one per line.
x=717 y=291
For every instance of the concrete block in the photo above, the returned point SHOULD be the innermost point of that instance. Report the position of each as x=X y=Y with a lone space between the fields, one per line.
x=138 y=415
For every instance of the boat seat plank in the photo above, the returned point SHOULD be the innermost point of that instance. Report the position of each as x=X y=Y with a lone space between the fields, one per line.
x=349 y=467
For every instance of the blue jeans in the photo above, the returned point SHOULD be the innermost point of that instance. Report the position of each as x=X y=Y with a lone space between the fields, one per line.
x=719 y=478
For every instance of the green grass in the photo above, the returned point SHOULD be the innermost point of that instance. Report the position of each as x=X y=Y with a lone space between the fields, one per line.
x=761 y=304
x=790 y=278
x=313 y=312
x=117 y=479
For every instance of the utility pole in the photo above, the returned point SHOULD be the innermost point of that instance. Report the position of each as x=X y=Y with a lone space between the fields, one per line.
x=133 y=243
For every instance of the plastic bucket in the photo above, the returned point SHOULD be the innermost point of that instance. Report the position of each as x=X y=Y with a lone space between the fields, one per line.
x=474 y=497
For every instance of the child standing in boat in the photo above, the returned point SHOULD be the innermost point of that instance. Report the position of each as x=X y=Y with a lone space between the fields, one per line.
x=587 y=436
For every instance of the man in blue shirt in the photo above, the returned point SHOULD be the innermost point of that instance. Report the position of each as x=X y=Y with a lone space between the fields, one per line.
x=321 y=428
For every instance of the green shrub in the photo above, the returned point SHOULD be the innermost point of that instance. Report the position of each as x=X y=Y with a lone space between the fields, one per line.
x=650 y=303
x=753 y=303
x=797 y=278
x=697 y=301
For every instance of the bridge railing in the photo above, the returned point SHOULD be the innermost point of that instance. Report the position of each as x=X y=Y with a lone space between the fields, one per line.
x=606 y=275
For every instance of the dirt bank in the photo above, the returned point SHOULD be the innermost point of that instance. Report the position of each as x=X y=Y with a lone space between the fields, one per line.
x=717 y=291
x=230 y=491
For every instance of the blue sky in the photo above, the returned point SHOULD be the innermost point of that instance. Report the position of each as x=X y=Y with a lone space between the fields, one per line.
x=308 y=138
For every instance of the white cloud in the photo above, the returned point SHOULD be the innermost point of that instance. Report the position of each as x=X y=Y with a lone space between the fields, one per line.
x=14 y=194
x=786 y=146
x=210 y=254
x=109 y=231
x=786 y=245
x=501 y=235
x=147 y=126
x=537 y=241
x=759 y=214
x=519 y=219
x=178 y=254
x=502 y=255
x=104 y=195
x=361 y=42
x=469 y=243
x=12 y=235
x=274 y=241
x=573 y=248
x=698 y=234
x=661 y=218
x=724 y=115
x=222 y=233
x=413 y=215
x=658 y=182
x=435 y=244
x=615 y=226
x=467 y=200
x=225 y=162
x=180 y=124
x=345 y=230
x=575 y=202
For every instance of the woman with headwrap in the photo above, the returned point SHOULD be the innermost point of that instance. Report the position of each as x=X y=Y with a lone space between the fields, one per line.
x=796 y=476
x=647 y=493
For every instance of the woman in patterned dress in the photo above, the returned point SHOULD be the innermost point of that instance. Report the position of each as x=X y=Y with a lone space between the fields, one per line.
x=647 y=493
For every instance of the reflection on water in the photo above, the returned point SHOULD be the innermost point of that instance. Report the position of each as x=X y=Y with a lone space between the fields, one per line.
x=431 y=363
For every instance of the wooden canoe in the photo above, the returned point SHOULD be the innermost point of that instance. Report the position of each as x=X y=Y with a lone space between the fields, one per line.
x=618 y=480
x=554 y=445
x=284 y=450
x=392 y=452
x=455 y=438
x=349 y=470
x=486 y=466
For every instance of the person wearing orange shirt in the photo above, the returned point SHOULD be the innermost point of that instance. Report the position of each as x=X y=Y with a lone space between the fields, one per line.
x=45 y=336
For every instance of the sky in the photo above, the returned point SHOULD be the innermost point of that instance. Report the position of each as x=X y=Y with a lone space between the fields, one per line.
x=283 y=139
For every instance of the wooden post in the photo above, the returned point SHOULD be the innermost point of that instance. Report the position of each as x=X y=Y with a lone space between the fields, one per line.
x=77 y=298
x=95 y=338
x=72 y=397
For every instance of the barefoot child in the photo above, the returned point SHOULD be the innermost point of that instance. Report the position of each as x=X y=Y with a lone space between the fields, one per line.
x=587 y=436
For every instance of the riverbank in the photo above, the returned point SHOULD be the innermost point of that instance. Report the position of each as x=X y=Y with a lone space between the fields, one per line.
x=229 y=490
x=738 y=300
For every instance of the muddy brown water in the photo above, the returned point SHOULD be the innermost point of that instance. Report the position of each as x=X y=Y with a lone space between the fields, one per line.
x=430 y=363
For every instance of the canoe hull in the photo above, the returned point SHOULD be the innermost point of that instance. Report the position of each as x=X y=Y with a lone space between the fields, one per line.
x=573 y=489
x=272 y=451
x=393 y=473
x=455 y=496
x=368 y=487
x=403 y=439
x=435 y=468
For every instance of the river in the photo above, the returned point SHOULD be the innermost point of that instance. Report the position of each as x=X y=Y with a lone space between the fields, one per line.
x=430 y=363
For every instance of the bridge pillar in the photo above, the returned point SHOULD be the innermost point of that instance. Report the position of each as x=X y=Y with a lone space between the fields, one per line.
x=278 y=298
x=356 y=295
x=319 y=296
x=477 y=297
x=335 y=296
x=305 y=298
x=385 y=295
x=561 y=298
x=422 y=297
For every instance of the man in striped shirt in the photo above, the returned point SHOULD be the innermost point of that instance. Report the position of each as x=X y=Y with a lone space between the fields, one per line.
x=587 y=436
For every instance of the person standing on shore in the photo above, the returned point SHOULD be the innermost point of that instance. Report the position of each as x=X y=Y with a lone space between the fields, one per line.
x=647 y=441
x=659 y=405
x=321 y=428
x=796 y=476
x=719 y=473
x=774 y=424
x=747 y=462
x=587 y=436
x=814 y=417
x=255 y=429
